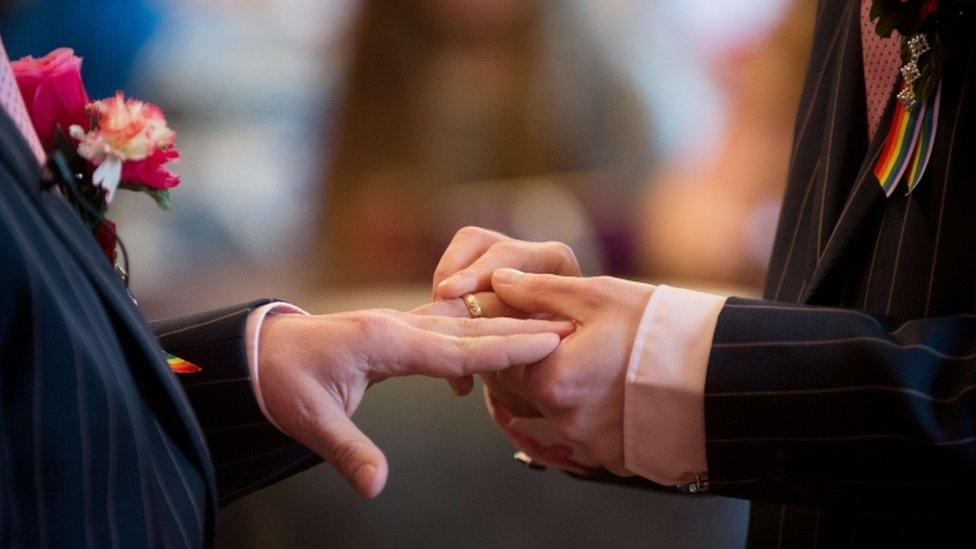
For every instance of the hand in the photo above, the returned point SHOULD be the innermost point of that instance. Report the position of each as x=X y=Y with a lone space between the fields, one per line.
x=471 y=258
x=493 y=308
x=475 y=253
x=580 y=387
x=315 y=369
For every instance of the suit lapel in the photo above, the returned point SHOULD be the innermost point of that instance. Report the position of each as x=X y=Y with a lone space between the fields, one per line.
x=130 y=324
x=865 y=192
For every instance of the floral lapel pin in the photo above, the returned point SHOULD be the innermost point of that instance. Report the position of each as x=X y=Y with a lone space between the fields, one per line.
x=96 y=147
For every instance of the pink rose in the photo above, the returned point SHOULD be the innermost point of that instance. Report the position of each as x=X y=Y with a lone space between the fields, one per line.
x=53 y=92
x=152 y=171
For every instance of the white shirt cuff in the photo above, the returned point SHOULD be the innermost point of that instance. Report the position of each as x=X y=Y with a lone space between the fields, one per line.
x=664 y=415
x=252 y=338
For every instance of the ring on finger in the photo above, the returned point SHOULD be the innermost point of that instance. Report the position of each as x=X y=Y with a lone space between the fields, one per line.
x=473 y=305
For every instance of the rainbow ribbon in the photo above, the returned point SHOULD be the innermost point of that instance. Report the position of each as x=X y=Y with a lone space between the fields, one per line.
x=180 y=366
x=908 y=146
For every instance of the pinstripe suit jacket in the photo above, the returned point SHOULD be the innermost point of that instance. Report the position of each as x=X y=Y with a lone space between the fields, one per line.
x=844 y=405
x=100 y=444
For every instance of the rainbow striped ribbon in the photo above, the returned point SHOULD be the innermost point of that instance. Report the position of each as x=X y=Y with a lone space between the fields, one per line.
x=908 y=145
x=180 y=366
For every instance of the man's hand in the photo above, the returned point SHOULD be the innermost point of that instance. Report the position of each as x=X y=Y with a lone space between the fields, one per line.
x=471 y=258
x=475 y=253
x=315 y=369
x=580 y=387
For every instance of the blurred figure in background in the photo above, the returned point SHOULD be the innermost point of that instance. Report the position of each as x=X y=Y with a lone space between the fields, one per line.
x=713 y=220
x=500 y=112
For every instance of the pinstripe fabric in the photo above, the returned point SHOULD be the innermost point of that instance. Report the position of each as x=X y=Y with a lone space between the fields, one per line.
x=99 y=444
x=247 y=451
x=845 y=406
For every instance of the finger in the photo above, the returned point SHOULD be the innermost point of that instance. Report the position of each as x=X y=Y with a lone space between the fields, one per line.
x=438 y=355
x=534 y=257
x=461 y=385
x=337 y=439
x=449 y=307
x=565 y=296
x=491 y=307
x=468 y=244
x=475 y=327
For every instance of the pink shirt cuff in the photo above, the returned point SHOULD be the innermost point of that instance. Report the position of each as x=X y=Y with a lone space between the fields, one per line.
x=664 y=415
x=251 y=340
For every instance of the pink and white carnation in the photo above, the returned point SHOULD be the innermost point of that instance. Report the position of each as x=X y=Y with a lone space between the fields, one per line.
x=129 y=142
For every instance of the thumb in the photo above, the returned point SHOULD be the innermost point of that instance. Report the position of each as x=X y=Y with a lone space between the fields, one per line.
x=337 y=439
x=543 y=293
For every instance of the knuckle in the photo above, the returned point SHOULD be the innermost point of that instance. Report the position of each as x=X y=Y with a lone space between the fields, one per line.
x=463 y=355
x=470 y=328
x=505 y=247
x=550 y=392
x=564 y=256
x=600 y=291
x=470 y=232
x=373 y=324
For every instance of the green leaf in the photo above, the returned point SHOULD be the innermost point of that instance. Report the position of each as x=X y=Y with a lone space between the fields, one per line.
x=162 y=197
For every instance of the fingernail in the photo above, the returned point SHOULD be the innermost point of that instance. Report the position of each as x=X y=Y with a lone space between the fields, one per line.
x=449 y=280
x=507 y=276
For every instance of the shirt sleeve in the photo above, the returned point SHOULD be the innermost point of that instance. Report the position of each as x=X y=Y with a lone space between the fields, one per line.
x=252 y=340
x=664 y=415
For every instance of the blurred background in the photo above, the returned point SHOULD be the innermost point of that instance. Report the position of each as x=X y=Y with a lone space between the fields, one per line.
x=333 y=147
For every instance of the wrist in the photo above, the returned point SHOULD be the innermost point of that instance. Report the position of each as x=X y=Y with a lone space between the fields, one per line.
x=264 y=334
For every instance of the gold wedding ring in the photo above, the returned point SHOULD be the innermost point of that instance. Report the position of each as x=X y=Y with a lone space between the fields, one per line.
x=474 y=307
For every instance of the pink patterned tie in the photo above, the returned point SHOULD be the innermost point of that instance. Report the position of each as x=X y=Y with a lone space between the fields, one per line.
x=881 y=62
x=12 y=102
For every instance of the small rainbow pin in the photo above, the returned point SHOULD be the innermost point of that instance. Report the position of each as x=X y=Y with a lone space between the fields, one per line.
x=180 y=366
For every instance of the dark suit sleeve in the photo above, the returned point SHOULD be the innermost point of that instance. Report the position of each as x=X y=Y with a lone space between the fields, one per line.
x=248 y=452
x=834 y=408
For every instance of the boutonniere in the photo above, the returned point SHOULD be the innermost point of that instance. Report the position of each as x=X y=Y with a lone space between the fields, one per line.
x=929 y=31
x=96 y=148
